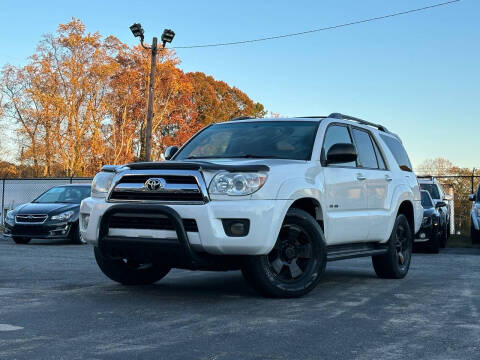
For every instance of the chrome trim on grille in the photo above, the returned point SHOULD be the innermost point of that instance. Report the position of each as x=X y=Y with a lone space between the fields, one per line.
x=41 y=217
x=177 y=188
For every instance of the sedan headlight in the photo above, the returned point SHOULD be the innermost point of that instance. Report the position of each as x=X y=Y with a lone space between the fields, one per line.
x=236 y=184
x=10 y=218
x=9 y=215
x=101 y=184
x=427 y=220
x=63 y=216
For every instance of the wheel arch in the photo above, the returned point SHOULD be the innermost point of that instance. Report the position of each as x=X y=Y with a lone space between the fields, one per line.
x=406 y=208
x=311 y=206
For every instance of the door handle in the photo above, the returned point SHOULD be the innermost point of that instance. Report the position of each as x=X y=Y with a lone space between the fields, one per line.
x=361 y=177
x=388 y=178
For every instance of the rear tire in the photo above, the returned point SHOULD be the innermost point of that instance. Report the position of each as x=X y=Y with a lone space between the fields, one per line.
x=295 y=265
x=444 y=237
x=395 y=263
x=474 y=235
x=129 y=273
x=20 y=240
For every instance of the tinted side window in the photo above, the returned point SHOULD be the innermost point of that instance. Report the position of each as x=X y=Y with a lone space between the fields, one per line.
x=337 y=134
x=366 y=152
x=398 y=152
x=478 y=194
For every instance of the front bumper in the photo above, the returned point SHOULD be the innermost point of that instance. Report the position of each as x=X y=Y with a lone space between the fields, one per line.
x=46 y=230
x=426 y=233
x=265 y=216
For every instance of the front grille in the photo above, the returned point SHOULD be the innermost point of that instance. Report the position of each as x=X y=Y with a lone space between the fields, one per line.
x=170 y=179
x=149 y=223
x=31 y=218
x=177 y=186
x=146 y=196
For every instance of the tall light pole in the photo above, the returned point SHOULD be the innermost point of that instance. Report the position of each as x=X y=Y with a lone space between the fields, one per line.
x=167 y=37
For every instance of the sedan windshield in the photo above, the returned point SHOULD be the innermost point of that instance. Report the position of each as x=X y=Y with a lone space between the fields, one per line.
x=256 y=139
x=64 y=194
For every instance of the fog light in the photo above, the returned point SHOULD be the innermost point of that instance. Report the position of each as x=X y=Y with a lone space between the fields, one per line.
x=236 y=227
x=422 y=236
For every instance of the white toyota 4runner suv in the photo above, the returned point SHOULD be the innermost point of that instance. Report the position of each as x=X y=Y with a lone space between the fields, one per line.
x=276 y=198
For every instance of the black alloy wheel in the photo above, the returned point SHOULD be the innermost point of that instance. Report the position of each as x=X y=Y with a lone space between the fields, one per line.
x=295 y=264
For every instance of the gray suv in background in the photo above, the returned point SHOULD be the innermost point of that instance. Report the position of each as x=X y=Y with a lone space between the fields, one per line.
x=475 y=217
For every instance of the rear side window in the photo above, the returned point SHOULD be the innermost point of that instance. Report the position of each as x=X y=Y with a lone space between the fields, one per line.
x=337 y=134
x=366 y=152
x=398 y=152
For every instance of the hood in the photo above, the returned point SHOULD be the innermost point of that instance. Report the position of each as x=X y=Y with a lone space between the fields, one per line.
x=46 y=208
x=429 y=212
x=231 y=165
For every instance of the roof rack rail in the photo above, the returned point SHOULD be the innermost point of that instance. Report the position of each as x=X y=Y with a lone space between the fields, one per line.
x=242 y=118
x=360 y=121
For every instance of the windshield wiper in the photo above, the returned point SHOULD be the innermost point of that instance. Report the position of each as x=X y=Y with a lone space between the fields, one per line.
x=252 y=156
x=244 y=156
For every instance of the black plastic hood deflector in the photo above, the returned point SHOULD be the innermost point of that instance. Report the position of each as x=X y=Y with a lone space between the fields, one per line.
x=196 y=165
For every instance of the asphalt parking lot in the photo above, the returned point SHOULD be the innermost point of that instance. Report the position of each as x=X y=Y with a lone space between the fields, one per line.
x=56 y=304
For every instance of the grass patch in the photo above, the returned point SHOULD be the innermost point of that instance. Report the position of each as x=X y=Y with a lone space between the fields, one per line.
x=461 y=241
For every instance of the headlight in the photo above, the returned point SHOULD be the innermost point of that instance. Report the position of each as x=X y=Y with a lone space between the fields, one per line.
x=63 y=216
x=427 y=220
x=101 y=184
x=236 y=184
x=10 y=218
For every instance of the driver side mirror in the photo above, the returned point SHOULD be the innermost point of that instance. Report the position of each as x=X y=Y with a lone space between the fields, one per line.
x=171 y=150
x=471 y=197
x=440 y=204
x=341 y=153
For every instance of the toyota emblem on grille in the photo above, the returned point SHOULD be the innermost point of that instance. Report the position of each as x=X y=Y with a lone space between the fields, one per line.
x=155 y=184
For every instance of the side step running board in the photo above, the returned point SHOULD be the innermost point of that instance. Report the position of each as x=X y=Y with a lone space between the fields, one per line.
x=349 y=251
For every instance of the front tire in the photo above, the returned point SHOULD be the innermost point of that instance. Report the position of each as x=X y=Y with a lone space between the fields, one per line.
x=74 y=235
x=127 y=272
x=20 y=240
x=295 y=265
x=395 y=263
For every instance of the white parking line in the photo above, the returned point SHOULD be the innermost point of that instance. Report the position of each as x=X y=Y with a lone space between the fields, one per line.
x=8 y=327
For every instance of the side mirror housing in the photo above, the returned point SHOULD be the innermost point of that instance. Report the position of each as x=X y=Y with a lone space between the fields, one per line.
x=440 y=204
x=171 y=150
x=471 y=197
x=341 y=153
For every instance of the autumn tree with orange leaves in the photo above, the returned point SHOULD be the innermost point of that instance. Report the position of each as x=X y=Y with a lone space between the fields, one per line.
x=80 y=102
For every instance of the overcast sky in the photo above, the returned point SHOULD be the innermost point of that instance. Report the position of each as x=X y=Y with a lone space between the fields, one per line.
x=417 y=74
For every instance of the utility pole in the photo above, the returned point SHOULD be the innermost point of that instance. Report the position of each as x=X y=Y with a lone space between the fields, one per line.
x=167 y=37
x=151 y=87
x=473 y=181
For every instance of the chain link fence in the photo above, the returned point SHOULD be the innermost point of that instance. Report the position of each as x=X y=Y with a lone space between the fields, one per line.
x=15 y=192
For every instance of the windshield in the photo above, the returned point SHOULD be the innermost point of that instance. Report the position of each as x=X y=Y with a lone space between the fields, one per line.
x=432 y=189
x=64 y=194
x=258 y=139
x=426 y=200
